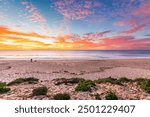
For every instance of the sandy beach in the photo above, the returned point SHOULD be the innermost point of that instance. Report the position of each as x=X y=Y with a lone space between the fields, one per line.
x=87 y=69
x=48 y=71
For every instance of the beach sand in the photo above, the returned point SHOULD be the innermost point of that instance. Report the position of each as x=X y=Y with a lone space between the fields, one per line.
x=48 y=70
x=87 y=69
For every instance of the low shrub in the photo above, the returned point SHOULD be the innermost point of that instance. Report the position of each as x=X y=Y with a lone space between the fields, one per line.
x=4 y=90
x=109 y=80
x=60 y=96
x=124 y=79
x=67 y=81
x=145 y=84
x=97 y=96
x=23 y=80
x=111 y=96
x=40 y=91
x=2 y=84
x=75 y=80
x=85 y=85
x=139 y=80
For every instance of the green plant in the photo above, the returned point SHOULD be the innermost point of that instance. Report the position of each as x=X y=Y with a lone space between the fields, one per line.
x=67 y=81
x=111 y=96
x=139 y=80
x=23 y=80
x=60 y=96
x=145 y=84
x=97 y=96
x=109 y=80
x=4 y=90
x=85 y=85
x=2 y=84
x=75 y=80
x=124 y=79
x=40 y=91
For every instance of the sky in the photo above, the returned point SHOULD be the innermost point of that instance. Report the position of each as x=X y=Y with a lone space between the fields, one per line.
x=74 y=24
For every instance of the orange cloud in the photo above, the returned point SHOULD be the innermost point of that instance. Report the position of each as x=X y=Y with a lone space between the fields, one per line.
x=22 y=40
x=5 y=30
x=16 y=40
x=114 y=42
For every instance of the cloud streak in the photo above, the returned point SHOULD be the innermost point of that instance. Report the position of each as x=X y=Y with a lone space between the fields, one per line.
x=134 y=29
x=75 y=9
x=16 y=40
x=23 y=40
x=35 y=15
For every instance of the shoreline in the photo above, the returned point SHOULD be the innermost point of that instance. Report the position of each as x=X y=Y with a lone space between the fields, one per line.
x=70 y=59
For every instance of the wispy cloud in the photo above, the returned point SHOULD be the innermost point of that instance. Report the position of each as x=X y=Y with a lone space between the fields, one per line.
x=75 y=9
x=134 y=29
x=11 y=39
x=35 y=15
x=143 y=9
x=114 y=42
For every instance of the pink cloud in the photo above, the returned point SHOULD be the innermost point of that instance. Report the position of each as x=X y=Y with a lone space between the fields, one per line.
x=124 y=42
x=35 y=15
x=114 y=42
x=74 y=10
x=128 y=22
x=135 y=24
x=134 y=29
x=143 y=9
x=96 y=35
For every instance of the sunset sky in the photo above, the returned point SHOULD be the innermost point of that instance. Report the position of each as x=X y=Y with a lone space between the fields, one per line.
x=74 y=24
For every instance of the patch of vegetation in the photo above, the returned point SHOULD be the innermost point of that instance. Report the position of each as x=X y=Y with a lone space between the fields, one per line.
x=85 y=85
x=67 y=81
x=3 y=88
x=97 y=96
x=23 y=80
x=60 y=96
x=40 y=91
x=2 y=84
x=109 y=80
x=145 y=84
x=111 y=96
x=139 y=80
x=125 y=80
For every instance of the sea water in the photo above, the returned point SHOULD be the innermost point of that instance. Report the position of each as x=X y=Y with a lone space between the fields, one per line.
x=75 y=54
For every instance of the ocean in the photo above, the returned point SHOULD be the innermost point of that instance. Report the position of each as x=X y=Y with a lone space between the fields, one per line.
x=75 y=54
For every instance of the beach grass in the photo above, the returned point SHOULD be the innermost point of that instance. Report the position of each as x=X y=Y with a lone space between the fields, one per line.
x=85 y=85
x=3 y=88
x=40 y=91
x=61 y=96
x=109 y=80
x=111 y=96
x=65 y=81
x=145 y=84
x=97 y=96
x=2 y=84
x=29 y=80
